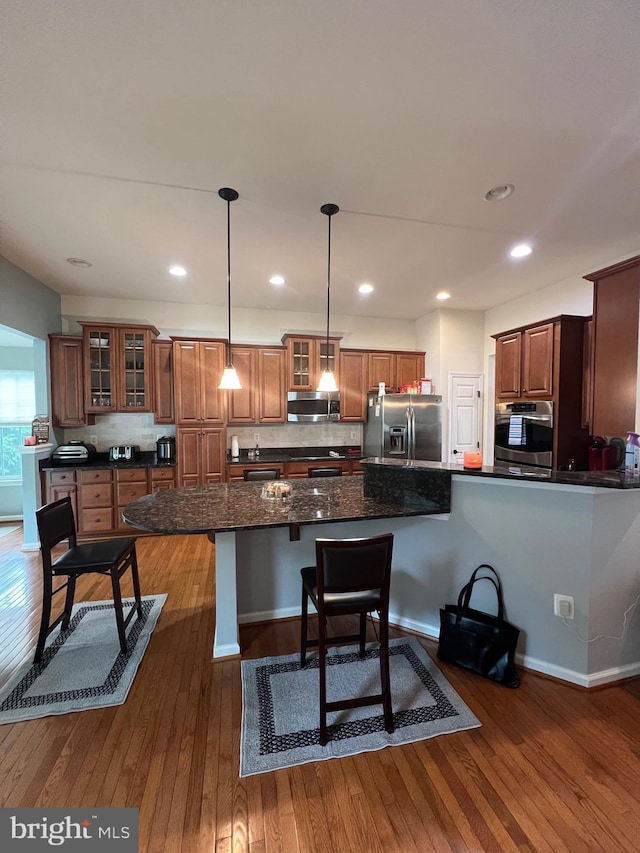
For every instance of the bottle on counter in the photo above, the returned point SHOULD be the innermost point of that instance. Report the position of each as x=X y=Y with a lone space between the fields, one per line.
x=632 y=455
x=257 y=451
x=235 y=447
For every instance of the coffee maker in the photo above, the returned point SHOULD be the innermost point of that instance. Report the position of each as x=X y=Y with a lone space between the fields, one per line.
x=166 y=448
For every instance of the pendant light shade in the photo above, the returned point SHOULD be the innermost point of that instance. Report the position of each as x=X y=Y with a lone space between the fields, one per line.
x=229 y=380
x=327 y=379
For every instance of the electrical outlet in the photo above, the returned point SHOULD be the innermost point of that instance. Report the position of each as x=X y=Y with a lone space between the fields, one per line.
x=354 y=434
x=256 y=436
x=563 y=606
x=93 y=439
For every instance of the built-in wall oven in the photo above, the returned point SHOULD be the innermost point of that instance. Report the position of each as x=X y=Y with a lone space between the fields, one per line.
x=524 y=433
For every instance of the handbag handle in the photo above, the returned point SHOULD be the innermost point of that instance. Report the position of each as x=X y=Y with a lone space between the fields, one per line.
x=465 y=593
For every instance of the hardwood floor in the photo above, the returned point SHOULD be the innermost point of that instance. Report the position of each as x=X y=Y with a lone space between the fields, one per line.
x=552 y=768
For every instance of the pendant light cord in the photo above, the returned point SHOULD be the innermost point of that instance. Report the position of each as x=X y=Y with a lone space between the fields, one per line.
x=229 y=281
x=329 y=210
x=326 y=363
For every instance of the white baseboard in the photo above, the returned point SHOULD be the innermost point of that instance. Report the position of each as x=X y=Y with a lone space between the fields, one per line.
x=596 y=679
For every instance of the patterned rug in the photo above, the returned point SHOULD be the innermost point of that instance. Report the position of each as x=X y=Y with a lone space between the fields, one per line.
x=280 y=726
x=82 y=667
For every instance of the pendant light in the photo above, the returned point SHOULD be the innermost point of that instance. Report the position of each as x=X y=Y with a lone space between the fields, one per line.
x=229 y=381
x=327 y=379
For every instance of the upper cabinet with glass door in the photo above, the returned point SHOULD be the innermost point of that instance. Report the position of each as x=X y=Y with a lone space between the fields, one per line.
x=118 y=367
x=307 y=358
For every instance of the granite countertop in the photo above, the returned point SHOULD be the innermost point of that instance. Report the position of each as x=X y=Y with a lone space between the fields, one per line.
x=239 y=506
x=595 y=479
x=146 y=459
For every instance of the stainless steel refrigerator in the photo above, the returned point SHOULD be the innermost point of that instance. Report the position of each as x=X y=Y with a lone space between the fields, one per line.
x=404 y=426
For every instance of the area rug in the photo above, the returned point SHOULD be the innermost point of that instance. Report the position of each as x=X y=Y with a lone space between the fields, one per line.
x=280 y=726
x=82 y=667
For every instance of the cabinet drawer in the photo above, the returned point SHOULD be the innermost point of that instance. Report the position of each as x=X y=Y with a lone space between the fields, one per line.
x=99 y=494
x=101 y=476
x=96 y=520
x=163 y=487
x=163 y=473
x=128 y=492
x=132 y=475
x=62 y=478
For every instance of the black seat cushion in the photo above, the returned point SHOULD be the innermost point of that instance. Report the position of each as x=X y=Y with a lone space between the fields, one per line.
x=92 y=556
x=334 y=602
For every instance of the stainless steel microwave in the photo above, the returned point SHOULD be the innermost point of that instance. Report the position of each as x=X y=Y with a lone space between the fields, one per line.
x=313 y=407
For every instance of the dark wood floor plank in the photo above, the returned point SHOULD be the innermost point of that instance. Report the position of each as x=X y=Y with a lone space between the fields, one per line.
x=552 y=768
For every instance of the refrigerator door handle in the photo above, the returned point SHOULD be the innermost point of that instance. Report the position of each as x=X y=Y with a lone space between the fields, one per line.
x=411 y=433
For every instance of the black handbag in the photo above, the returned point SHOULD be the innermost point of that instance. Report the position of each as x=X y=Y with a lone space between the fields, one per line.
x=479 y=641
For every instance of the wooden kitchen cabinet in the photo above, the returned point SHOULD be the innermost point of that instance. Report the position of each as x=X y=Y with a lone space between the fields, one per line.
x=67 y=381
x=241 y=404
x=307 y=358
x=56 y=485
x=197 y=368
x=201 y=455
x=162 y=360
x=354 y=383
x=524 y=363
x=262 y=374
x=99 y=495
x=163 y=478
x=96 y=501
x=118 y=375
x=395 y=369
x=409 y=368
x=614 y=359
x=545 y=362
x=271 y=400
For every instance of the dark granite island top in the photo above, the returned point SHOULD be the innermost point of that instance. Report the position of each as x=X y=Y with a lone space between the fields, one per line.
x=391 y=471
x=239 y=506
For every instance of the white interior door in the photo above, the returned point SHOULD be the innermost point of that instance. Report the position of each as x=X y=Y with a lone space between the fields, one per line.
x=465 y=395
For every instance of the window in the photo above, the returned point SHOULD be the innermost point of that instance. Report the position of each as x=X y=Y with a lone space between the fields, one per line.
x=17 y=408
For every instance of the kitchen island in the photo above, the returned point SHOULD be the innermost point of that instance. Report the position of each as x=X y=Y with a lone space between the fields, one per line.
x=573 y=534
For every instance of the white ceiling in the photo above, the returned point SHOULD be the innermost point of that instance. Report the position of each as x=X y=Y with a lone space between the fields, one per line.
x=122 y=120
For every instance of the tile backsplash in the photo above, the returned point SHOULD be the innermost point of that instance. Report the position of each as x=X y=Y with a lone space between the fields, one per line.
x=121 y=429
x=297 y=435
x=141 y=430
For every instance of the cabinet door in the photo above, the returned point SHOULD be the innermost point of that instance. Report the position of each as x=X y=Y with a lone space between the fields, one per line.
x=62 y=484
x=303 y=370
x=327 y=358
x=537 y=361
x=241 y=405
x=587 y=376
x=134 y=370
x=615 y=352
x=186 y=364
x=353 y=386
x=508 y=366
x=67 y=391
x=100 y=369
x=382 y=368
x=213 y=456
x=409 y=367
x=211 y=364
x=162 y=355
x=188 y=456
x=271 y=400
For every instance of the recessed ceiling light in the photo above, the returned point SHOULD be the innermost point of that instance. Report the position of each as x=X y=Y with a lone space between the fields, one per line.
x=520 y=251
x=443 y=295
x=79 y=262
x=366 y=288
x=176 y=269
x=276 y=280
x=499 y=192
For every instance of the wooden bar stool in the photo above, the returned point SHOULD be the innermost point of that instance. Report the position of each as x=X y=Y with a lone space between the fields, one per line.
x=351 y=576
